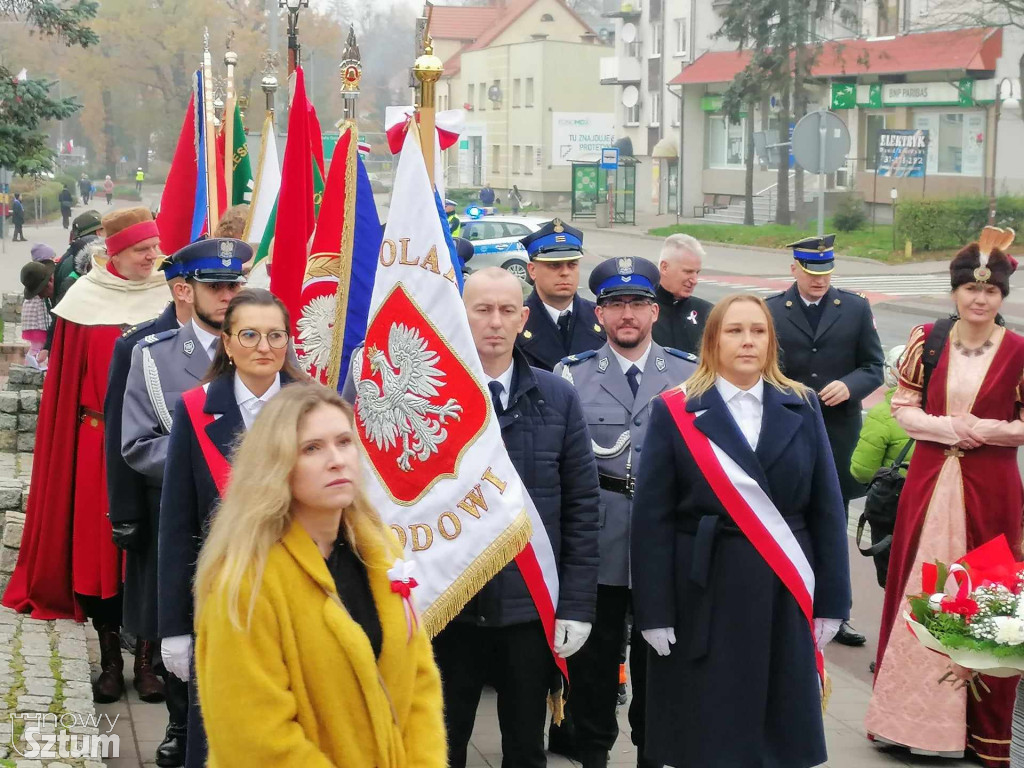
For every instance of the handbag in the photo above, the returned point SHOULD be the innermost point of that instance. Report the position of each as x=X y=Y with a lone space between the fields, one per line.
x=880 y=505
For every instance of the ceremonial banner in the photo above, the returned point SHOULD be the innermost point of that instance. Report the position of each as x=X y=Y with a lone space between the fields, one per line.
x=448 y=126
x=341 y=268
x=177 y=203
x=241 y=167
x=265 y=187
x=438 y=471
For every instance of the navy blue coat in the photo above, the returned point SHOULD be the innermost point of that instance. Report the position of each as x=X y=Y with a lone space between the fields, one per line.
x=740 y=686
x=845 y=346
x=541 y=341
x=133 y=498
x=546 y=436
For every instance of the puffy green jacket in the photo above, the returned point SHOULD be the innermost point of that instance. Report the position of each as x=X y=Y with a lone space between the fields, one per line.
x=880 y=443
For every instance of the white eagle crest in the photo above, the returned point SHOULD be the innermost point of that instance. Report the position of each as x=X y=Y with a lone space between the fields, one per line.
x=315 y=329
x=401 y=408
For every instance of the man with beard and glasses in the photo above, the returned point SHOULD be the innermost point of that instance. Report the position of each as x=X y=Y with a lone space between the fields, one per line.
x=616 y=384
x=163 y=366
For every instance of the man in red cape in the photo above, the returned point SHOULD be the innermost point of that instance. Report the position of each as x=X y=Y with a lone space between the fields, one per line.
x=68 y=567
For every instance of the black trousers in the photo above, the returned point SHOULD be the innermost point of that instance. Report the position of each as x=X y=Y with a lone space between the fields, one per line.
x=517 y=661
x=104 y=612
x=66 y=216
x=18 y=234
x=594 y=677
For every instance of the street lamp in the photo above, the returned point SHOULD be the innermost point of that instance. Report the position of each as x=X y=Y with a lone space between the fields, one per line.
x=293 y=7
x=1003 y=96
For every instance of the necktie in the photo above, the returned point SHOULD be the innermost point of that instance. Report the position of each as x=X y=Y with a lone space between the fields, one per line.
x=631 y=377
x=563 y=327
x=496 y=388
x=813 y=315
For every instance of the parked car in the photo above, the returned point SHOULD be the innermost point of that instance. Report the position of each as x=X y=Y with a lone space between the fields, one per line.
x=495 y=242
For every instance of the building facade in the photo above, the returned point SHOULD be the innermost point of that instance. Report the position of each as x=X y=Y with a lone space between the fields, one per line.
x=527 y=75
x=924 y=65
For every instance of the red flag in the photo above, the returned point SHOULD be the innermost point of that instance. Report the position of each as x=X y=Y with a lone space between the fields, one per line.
x=316 y=139
x=295 y=208
x=222 y=184
x=177 y=203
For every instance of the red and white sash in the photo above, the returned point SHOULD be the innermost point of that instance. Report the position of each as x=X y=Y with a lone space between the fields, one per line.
x=753 y=512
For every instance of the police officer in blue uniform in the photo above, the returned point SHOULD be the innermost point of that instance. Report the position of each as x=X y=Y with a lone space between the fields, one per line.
x=828 y=341
x=561 y=322
x=163 y=366
x=616 y=384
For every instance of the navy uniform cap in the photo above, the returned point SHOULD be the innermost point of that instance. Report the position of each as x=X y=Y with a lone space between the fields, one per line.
x=214 y=260
x=555 y=241
x=624 y=276
x=815 y=255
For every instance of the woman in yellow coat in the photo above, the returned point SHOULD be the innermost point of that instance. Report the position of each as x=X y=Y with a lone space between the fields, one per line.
x=321 y=663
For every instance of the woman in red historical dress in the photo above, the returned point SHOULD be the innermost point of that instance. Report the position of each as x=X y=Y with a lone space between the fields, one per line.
x=963 y=488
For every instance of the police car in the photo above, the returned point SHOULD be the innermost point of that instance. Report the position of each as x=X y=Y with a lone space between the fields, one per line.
x=495 y=242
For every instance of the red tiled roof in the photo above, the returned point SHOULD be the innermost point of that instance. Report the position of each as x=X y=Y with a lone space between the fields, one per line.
x=962 y=49
x=462 y=22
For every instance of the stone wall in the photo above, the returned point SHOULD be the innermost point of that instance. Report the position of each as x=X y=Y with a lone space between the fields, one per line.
x=19 y=408
x=12 y=348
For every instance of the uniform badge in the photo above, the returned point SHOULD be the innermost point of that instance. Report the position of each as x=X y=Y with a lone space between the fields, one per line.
x=625 y=265
x=789 y=303
x=527 y=335
x=597 y=328
x=227 y=250
x=660 y=363
x=557 y=225
x=838 y=302
x=602 y=364
x=189 y=347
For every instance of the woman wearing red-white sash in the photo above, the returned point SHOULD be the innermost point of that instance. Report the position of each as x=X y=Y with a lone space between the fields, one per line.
x=740 y=564
x=963 y=489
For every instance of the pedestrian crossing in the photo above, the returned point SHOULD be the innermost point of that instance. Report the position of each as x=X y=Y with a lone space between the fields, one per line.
x=888 y=285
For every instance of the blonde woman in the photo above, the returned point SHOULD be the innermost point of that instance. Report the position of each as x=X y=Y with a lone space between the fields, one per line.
x=740 y=567
x=305 y=656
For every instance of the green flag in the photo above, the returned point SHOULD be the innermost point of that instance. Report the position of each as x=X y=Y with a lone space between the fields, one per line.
x=241 y=174
x=268 y=234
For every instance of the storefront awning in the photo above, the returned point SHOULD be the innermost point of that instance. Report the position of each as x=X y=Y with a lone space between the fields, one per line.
x=975 y=49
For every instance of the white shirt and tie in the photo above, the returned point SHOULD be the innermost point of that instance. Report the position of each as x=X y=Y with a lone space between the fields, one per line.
x=746 y=407
x=505 y=381
x=208 y=341
x=249 y=404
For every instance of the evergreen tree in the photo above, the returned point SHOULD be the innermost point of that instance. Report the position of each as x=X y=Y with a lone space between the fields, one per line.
x=26 y=103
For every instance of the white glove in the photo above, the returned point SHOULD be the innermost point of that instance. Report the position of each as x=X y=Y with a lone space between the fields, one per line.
x=825 y=630
x=570 y=636
x=661 y=640
x=175 y=653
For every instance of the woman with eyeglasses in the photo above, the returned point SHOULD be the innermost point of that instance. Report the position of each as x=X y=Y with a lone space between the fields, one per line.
x=250 y=367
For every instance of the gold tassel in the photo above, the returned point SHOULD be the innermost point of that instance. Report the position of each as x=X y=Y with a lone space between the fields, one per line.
x=826 y=693
x=556 y=703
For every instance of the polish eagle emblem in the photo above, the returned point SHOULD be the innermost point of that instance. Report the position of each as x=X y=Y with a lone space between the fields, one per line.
x=315 y=328
x=400 y=409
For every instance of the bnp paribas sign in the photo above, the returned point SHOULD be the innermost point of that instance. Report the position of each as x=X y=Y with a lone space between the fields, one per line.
x=879 y=95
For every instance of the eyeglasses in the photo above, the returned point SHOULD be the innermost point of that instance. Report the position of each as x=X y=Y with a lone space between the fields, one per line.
x=250 y=338
x=618 y=305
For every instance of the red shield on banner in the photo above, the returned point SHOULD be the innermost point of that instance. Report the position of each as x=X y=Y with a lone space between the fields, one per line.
x=418 y=407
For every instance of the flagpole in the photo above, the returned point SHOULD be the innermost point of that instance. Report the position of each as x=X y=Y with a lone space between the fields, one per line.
x=230 y=60
x=428 y=70
x=209 y=131
x=269 y=133
x=351 y=71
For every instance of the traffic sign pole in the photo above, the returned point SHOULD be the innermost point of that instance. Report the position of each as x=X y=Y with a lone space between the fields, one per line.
x=823 y=141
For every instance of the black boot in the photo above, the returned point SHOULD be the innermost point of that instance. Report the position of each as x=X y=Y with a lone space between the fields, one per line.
x=147 y=683
x=109 y=686
x=171 y=752
x=596 y=759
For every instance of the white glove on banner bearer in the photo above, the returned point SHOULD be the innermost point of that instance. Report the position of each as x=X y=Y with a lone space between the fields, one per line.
x=825 y=630
x=175 y=653
x=570 y=636
x=661 y=640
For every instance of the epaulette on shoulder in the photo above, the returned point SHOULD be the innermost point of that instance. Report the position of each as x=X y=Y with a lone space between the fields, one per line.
x=579 y=357
x=774 y=295
x=852 y=293
x=688 y=356
x=153 y=338
x=136 y=328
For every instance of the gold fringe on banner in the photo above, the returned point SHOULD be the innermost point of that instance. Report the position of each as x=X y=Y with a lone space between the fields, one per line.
x=496 y=556
x=348 y=233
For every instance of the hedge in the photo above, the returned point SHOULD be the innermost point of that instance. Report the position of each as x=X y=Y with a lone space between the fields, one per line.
x=935 y=225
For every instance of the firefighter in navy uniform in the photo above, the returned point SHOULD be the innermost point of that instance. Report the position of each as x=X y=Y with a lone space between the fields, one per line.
x=616 y=385
x=828 y=341
x=561 y=323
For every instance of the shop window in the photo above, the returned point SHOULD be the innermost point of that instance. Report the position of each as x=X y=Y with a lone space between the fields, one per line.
x=956 y=141
x=725 y=142
x=873 y=129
